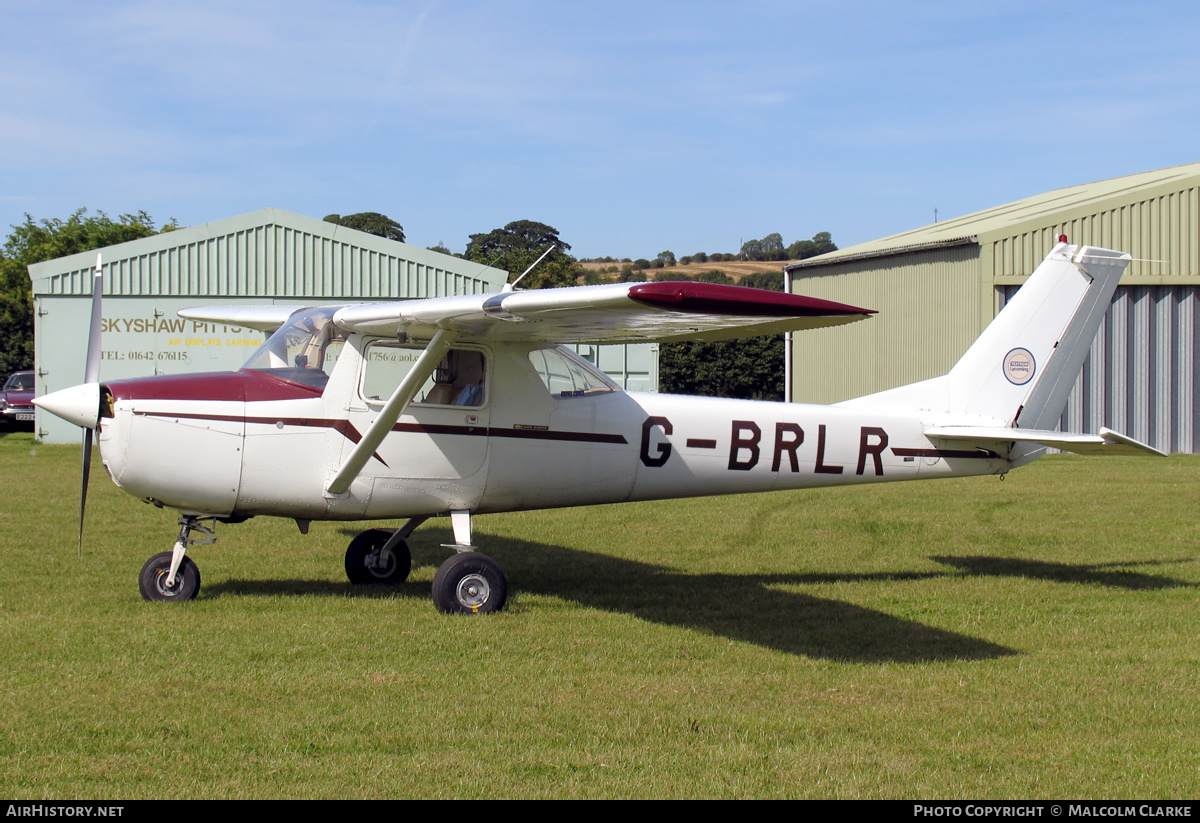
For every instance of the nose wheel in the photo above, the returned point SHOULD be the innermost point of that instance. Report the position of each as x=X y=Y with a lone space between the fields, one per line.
x=172 y=577
x=153 y=579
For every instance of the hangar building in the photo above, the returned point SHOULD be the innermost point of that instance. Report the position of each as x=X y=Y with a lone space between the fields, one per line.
x=269 y=256
x=938 y=286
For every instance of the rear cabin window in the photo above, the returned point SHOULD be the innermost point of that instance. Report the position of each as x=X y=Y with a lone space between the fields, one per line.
x=566 y=374
x=459 y=380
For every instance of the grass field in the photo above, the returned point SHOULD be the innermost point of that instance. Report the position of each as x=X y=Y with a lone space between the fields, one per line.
x=1032 y=638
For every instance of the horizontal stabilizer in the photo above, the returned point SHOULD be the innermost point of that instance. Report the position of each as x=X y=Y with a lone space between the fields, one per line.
x=1107 y=443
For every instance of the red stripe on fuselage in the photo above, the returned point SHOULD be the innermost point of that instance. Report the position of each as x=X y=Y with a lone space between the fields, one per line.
x=347 y=429
x=237 y=386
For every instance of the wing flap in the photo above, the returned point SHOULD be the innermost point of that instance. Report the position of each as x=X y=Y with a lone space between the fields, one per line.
x=1107 y=443
x=611 y=313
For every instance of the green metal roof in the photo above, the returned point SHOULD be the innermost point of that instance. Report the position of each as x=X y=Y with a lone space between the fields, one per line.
x=1052 y=208
x=268 y=253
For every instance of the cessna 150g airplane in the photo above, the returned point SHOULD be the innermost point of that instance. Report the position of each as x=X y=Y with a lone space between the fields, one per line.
x=466 y=405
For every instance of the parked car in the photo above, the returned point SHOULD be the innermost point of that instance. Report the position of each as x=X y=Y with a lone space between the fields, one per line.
x=16 y=400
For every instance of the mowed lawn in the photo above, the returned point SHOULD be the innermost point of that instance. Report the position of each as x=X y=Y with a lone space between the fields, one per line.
x=1032 y=638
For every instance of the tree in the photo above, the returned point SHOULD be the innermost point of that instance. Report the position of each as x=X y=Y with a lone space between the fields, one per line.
x=769 y=248
x=372 y=222
x=769 y=280
x=751 y=369
x=16 y=317
x=713 y=276
x=516 y=246
x=591 y=277
x=37 y=241
x=47 y=239
x=821 y=243
x=667 y=258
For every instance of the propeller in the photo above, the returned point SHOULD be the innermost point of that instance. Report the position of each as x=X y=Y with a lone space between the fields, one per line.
x=91 y=374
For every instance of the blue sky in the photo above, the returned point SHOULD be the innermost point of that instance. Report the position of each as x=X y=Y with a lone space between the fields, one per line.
x=632 y=127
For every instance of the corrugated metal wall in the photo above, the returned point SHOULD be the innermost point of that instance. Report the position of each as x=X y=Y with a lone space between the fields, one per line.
x=270 y=260
x=1158 y=231
x=1142 y=375
x=932 y=305
x=634 y=366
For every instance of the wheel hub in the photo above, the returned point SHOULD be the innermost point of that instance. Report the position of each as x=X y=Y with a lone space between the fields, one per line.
x=473 y=591
x=379 y=565
x=160 y=583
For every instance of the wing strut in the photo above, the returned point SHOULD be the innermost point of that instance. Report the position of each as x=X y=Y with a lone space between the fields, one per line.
x=391 y=411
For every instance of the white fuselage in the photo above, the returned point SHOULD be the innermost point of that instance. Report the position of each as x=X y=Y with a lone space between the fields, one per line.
x=249 y=443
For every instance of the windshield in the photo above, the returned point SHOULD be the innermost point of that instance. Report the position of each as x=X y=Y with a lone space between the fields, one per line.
x=303 y=350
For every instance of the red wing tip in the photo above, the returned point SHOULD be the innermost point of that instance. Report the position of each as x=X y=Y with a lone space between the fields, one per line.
x=715 y=298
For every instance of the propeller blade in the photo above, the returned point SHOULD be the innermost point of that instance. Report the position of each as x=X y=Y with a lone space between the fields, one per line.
x=87 y=470
x=91 y=374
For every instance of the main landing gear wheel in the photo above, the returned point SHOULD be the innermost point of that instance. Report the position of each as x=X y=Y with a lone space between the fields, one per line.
x=153 y=579
x=469 y=583
x=366 y=564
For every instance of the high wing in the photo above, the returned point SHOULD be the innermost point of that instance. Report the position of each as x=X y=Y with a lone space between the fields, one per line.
x=611 y=313
x=262 y=318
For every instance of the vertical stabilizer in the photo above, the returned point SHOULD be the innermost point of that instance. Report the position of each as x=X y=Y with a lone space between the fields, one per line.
x=1021 y=369
x=1019 y=372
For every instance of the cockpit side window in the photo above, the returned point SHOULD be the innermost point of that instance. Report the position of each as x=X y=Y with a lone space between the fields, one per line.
x=459 y=380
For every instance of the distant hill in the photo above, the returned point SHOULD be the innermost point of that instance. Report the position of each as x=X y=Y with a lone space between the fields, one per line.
x=737 y=269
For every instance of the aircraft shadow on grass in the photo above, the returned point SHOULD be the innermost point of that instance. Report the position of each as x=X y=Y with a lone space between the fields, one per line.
x=747 y=608
x=1112 y=575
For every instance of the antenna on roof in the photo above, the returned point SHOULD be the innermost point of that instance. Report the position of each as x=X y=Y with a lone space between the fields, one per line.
x=510 y=286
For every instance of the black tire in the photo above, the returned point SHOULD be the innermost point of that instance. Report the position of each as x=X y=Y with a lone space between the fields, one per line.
x=469 y=583
x=153 y=579
x=362 y=560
